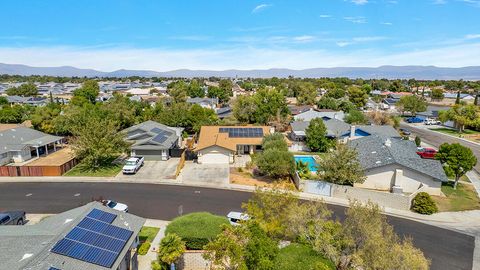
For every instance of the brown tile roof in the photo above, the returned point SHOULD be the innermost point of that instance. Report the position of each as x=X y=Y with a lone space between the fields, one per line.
x=211 y=136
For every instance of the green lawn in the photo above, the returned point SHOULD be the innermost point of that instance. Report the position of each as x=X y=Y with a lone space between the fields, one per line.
x=454 y=132
x=461 y=199
x=148 y=233
x=78 y=170
x=297 y=256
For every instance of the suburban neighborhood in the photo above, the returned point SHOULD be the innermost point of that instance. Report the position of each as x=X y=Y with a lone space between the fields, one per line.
x=240 y=135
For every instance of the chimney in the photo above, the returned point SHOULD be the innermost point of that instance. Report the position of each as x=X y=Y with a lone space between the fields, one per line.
x=388 y=143
x=352 y=131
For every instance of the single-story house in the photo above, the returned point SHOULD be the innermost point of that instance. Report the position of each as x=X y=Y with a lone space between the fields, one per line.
x=325 y=114
x=153 y=140
x=462 y=96
x=389 y=103
x=298 y=109
x=391 y=164
x=33 y=101
x=139 y=91
x=210 y=103
x=92 y=237
x=224 y=112
x=220 y=144
x=19 y=144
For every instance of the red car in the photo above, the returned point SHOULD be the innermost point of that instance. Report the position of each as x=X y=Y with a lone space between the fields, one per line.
x=427 y=153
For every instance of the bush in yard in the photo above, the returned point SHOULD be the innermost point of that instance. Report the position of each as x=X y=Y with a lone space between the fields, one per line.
x=197 y=229
x=424 y=204
x=276 y=163
x=144 y=247
x=418 y=141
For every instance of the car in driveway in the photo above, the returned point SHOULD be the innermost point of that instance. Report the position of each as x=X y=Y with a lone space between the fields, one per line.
x=413 y=120
x=116 y=205
x=405 y=131
x=132 y=165
x=430 y=121
x=12 y=218
x=235 y=218
x=426 y=152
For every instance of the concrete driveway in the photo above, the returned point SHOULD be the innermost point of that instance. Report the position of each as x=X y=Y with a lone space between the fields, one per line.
x=155 y=170
x=208 y=174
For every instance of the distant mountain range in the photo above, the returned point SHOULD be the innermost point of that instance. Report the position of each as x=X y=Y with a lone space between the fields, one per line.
x=387 y=72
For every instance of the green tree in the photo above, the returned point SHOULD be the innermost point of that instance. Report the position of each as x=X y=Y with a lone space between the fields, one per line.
x=121 y=110
x=178 y=91
x=356 y=117
x=171 y=248
x=457 y=100
x=43 y=118
x=86 y=94
x=457 y=160
x=269 y=103
x=217 y=92
x=367 y=88
x=199 y=117
x=462 y=115
x=227 y=251
x=244 y=109
x=315 y=135
x=341 y=166
x=260 y=250
x=335 y=93
x=3 y=101
x=437 y=94
x=357 y=96
x=306 y=94
x=274 y=141
x=24 y=90
x=327 y=103
x=195 y=89
x=276 y=163
x=412 y=104
x=14 y=114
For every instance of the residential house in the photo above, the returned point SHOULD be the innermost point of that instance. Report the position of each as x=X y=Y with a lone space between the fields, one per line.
x=296 y=109
x=210 y=103
x=389 y=103
x=92 y=237
x=454 y=96
x=139 y=91
x=322 y=113
x=33 y=101
x=391 y=164
x=153 y=140
x=20 y=144
x=224 y=112
x=220 y=144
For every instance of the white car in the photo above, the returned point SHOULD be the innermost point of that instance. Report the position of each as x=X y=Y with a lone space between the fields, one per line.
x=132 y=165
x=236 y=217
x=116 y=205
x=430 y=121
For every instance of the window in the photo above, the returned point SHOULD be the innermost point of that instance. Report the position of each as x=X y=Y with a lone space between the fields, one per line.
x=4 y=219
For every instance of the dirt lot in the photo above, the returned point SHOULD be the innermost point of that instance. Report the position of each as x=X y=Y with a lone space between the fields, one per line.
x=54 y=159
x=244 y=176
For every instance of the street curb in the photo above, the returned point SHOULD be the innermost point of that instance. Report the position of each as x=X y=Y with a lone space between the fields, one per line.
x=451 y=136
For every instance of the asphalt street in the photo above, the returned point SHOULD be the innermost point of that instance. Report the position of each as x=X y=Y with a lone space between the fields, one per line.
x=446 y=249
x=437 y=138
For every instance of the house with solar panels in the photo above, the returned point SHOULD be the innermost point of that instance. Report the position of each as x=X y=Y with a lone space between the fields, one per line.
x=153 y=141
x=90 y=237
x=221 y=144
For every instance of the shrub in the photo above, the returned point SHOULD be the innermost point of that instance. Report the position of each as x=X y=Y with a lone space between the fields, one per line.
x=418 y=141
x=424 y=204
x=197 y=229
x=144 y=247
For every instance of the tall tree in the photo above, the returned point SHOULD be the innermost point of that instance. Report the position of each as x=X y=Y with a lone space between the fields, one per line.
x=86 y=94
x=412 y=104
x=269 y=103
x=178 y=91
x=244 y=109
x=195 y=89
x=457 y=160
x=357 y=96
x=437 y=94
x=462 y=115
x=356 y=117
x=24 y=90
x=316 y=138
x=457 y=100
x=341 y=166
x=306 y=94
x=327 y=103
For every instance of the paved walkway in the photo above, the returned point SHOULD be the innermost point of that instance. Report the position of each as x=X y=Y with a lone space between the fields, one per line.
x=145 y=261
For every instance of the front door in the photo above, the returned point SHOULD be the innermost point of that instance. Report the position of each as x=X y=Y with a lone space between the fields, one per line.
x=246 y=149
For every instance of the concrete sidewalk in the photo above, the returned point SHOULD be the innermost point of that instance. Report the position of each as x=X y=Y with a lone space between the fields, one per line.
x=145 y=261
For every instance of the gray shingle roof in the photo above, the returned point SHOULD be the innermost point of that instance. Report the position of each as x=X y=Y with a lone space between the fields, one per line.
x=143 y=136
x=18 y=138
x=376 y=151
x=28 y=247
x=385 y=131
x=311 y=114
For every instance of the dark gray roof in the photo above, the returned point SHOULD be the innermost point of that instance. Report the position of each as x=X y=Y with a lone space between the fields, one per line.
x=376 y=151
x=336 y=128
x=28 y=247
x=18 y=138
x=198 y=100
x=385 y=131
x=145 y=136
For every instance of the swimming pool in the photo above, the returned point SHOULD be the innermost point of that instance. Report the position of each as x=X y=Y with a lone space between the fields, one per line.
x=312 y=164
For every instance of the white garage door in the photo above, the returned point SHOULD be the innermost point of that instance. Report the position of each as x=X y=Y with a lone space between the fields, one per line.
x=214 y=158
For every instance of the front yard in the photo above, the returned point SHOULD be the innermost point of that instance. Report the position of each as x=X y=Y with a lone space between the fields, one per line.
x=461 y=199
x=107 y=171
x=298 y=256
x=244 y=176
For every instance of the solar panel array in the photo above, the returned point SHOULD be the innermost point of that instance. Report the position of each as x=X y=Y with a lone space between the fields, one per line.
x=234 y=132
x=94 y=240
x=162 y=135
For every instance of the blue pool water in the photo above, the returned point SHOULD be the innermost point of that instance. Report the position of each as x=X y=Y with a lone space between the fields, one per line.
x=312 y=164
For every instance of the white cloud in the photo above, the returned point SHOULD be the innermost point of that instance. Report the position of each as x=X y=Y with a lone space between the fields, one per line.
x=260 y=8
x=325 y=16
x=240 y=57
x=304 y=39
x=475 y=3
x=359 y=2
x=472 y=36
x=386 y=23
x=343 y=43
x=356 y=19
x=439 y=2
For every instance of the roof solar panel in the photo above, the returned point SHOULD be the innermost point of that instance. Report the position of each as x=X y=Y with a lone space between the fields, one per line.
x=160 y=138
x=117 y=232
x=102 y=215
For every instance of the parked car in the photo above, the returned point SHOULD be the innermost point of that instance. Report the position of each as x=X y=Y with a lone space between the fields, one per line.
x=414 y=120
x=426 y=152
x=430 y=121
x=132 y=165
x=405 y=131
x=236 y=217
x=12 y=218
x=116 y=205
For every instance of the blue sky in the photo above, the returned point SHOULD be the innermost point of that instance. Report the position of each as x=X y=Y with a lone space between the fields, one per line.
x=223 y=34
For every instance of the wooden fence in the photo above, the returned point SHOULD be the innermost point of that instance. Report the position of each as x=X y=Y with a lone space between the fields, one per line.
x=38 y=170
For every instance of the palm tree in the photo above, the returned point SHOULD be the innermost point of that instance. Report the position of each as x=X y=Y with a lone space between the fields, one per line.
x=171 y=248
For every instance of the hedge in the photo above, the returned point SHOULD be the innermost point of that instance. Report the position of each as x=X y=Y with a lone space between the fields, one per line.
x=424 y=204
x=197 y=229
x=144 y=247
